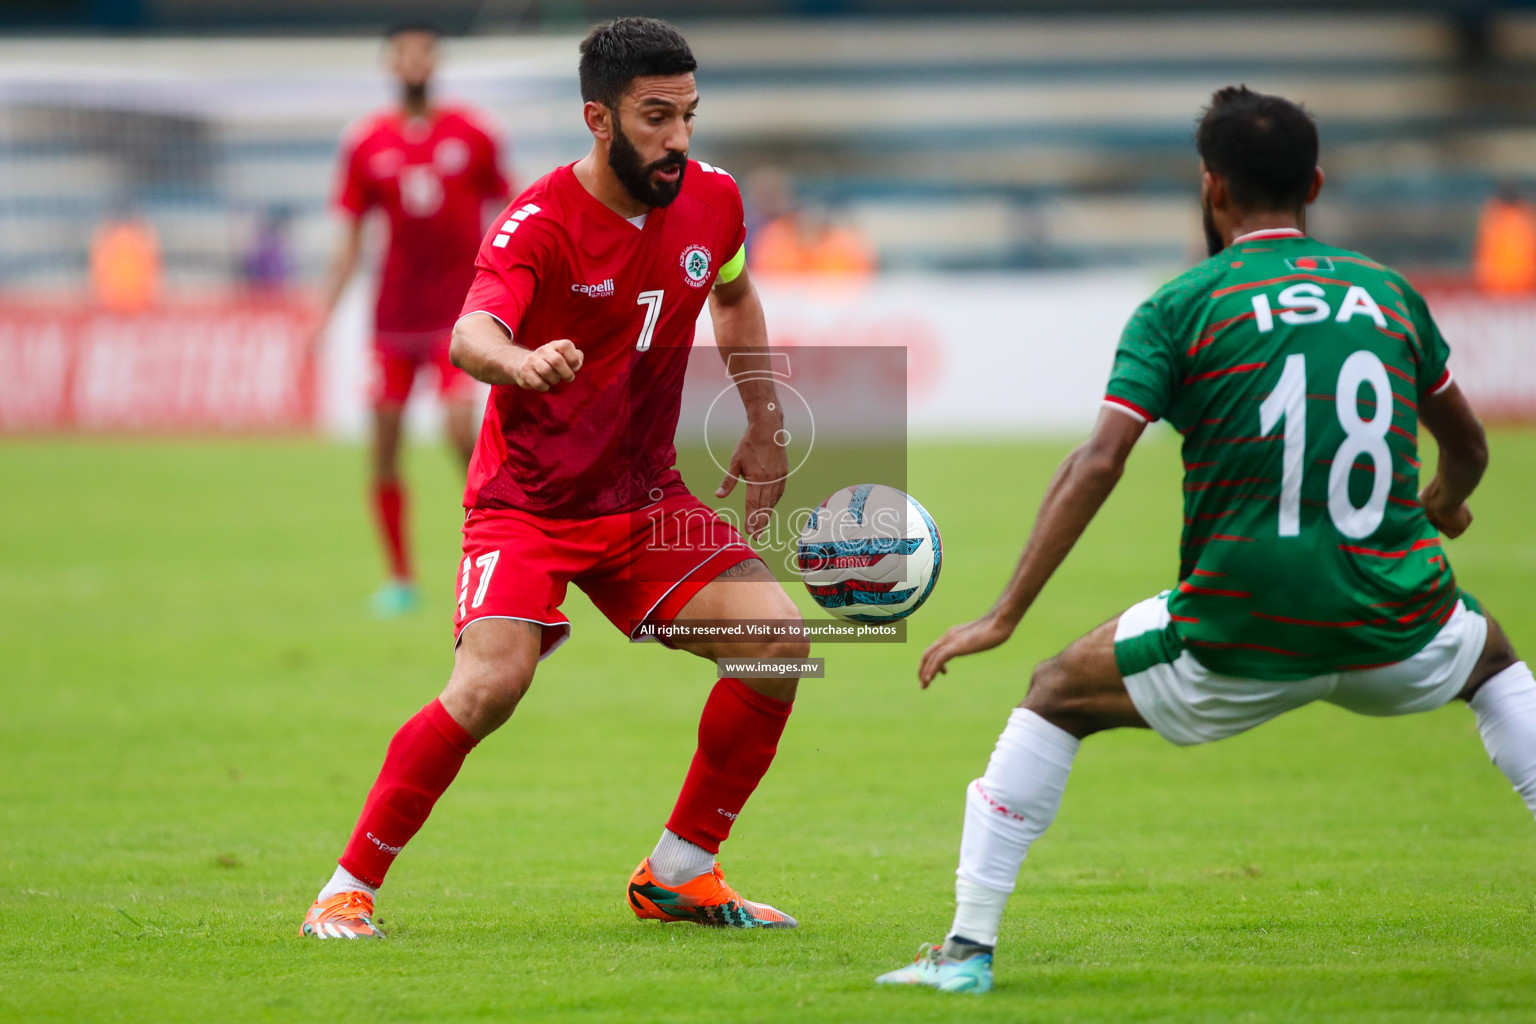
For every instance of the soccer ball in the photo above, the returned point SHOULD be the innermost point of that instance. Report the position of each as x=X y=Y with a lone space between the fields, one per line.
x=870 y=553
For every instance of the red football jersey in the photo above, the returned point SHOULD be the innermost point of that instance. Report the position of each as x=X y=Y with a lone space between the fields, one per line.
x=431 y=176
x=560 y=264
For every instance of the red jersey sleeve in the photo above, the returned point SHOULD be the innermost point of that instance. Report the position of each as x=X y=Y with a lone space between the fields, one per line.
x=725 y=195
x=512 y=261
x=738 y=219
x=354 y=189
x=718 y=189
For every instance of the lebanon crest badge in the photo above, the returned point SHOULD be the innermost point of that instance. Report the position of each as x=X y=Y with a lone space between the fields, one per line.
x=695 y=262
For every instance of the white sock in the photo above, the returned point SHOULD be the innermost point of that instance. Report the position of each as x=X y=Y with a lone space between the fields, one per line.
x=978 y=910
x=345 y=881
x=675 y=860
x=1006 y=810
x=1506 y=716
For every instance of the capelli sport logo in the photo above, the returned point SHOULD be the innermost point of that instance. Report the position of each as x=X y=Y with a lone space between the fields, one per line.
x=595 y=291
x=382 y=845
x=696 y=262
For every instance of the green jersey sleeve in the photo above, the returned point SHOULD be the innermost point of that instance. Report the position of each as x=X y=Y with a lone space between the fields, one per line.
x=1434 y=375
x=1145 y=372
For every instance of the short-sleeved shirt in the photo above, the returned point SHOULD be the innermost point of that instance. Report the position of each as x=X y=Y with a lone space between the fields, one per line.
x=432 y=177
x=1294 y=371
x=559 y=264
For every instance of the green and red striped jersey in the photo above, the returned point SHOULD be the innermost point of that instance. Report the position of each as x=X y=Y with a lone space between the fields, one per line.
x=1294 y=371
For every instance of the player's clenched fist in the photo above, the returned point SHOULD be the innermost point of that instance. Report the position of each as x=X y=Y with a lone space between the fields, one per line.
x=1451 y=520
x=542 y=368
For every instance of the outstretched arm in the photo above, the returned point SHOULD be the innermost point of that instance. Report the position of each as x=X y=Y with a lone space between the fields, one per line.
x=1463 y=458
x=741 y=331
x=1077 y=491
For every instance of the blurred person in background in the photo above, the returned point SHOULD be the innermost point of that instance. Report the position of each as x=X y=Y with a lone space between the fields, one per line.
x=789 y=239
x=431 y=169
x=769 y=196
x=1504 y=259
x=125 y=262
x=268 y=264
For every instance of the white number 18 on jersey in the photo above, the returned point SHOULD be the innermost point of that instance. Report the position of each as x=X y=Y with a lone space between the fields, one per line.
x=1361 y=437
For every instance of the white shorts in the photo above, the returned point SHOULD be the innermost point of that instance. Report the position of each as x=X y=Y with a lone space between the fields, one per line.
x=1187 y=703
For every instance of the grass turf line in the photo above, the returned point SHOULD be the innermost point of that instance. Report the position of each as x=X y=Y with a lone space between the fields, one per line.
x=193 y=703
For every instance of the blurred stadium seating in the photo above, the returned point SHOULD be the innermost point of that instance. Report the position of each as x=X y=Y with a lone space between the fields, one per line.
x=957 y=145
x=960 y=143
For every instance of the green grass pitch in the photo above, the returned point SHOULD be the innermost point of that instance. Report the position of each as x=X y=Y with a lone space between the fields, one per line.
x=193 y=704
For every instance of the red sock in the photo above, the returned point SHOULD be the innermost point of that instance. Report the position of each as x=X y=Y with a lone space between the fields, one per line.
x=422 y=760
x=389 y=509
x=738 y=736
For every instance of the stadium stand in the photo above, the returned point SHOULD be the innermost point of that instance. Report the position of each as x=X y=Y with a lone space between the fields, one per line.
x=964 y=144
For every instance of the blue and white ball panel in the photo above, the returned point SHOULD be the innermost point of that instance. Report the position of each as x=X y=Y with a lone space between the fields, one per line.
x=870 y=553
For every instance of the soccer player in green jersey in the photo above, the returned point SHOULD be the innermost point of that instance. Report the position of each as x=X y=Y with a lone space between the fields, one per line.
x=1311 y=569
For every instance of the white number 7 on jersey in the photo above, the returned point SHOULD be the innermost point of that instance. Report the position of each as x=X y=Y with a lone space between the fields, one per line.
x=652 y=302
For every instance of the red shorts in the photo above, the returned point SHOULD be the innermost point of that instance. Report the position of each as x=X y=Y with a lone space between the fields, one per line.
x=398 y=355
x=637 y=567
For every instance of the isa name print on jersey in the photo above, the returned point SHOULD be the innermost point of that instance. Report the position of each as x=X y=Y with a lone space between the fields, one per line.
x=870 y=553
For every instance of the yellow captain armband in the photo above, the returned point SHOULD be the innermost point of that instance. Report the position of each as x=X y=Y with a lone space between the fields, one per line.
x=733 y=268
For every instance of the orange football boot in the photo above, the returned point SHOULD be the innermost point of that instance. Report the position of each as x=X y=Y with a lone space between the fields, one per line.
x=705 y=900
x=347 y=915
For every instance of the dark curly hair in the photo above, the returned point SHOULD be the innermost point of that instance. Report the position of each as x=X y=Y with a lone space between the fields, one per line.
x=617 y=52
x=1264 y=146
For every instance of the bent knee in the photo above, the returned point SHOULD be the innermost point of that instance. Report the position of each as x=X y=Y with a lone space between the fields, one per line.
x=482 y=695
x=1060 y=698
x=1498 y=655
x=797 y=649
x=1049 y=689
x=785 y=617
x=781 y=609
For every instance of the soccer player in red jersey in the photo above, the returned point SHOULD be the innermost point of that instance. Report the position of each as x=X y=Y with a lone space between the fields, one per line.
x=431 y=169
x=581 y=318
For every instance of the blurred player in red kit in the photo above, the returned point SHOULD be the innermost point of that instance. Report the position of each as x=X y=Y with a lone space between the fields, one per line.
x=430 y=168
x=581 y=318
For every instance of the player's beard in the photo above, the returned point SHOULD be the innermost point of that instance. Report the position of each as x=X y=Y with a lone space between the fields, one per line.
x=635 y=176
x=413 y=95
x=1213 y=240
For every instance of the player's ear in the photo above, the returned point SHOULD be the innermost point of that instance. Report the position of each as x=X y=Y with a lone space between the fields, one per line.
x=599 y=120
x=1213 y=188
x=1318 y=177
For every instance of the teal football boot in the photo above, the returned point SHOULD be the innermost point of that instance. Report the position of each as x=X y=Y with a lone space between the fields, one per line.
x=935 y=969
x=393 y=600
